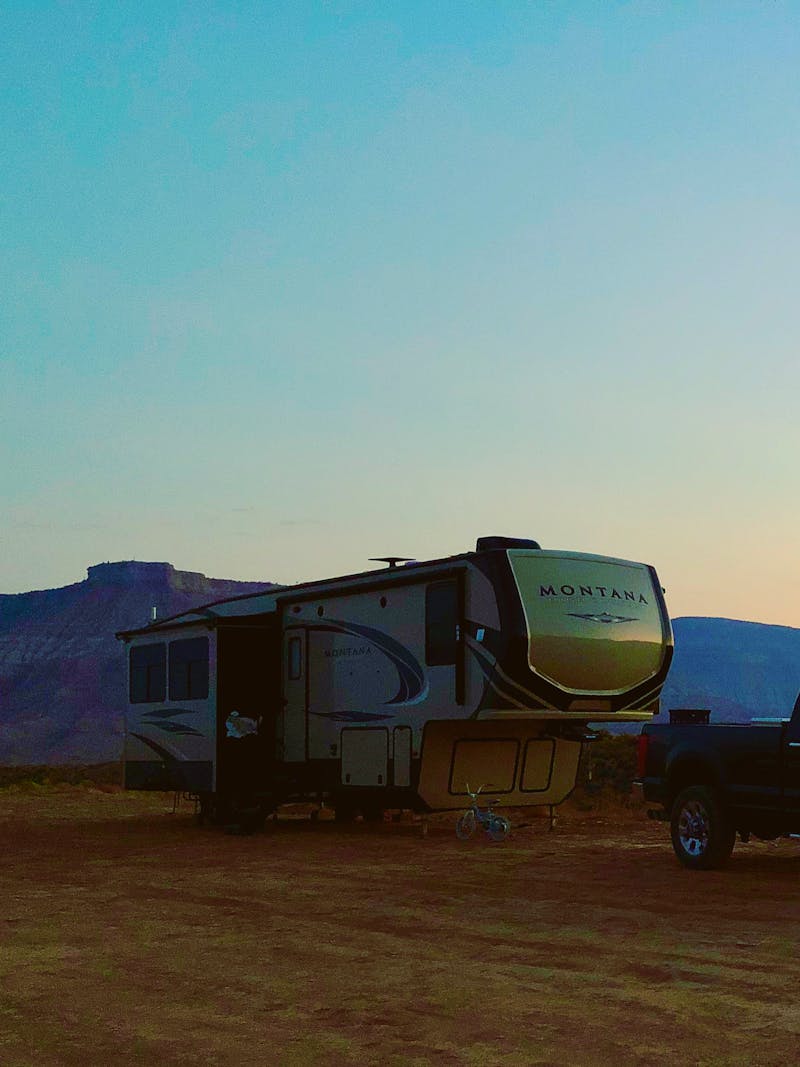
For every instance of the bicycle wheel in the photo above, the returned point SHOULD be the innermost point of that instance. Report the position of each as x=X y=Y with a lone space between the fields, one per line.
x=465 y=826
x=499 y=828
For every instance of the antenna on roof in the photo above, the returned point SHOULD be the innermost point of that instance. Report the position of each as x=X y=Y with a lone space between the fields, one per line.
x=391 y=560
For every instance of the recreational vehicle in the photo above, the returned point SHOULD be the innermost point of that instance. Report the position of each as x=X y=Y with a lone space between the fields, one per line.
x=398 y=687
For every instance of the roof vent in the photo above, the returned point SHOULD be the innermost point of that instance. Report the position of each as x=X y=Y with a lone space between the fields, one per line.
x=497 y=544
x=391 y=560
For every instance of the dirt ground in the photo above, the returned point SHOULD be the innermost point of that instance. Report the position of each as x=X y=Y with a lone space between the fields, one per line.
x=129 y=935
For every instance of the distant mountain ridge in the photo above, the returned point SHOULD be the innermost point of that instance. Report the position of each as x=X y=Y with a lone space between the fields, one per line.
x=62 y=673
x=738 y=670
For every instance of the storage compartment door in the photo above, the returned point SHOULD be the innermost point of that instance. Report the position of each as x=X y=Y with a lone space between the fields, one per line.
x=402 y=756
x=365 y=756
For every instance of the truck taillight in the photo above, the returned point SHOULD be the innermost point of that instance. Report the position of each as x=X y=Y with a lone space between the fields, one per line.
x=642 y=742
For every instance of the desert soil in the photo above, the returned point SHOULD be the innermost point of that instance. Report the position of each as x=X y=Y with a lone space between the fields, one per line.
x=129 y=935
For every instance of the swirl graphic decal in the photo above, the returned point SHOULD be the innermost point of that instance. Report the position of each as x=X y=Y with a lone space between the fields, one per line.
x=411 y=675
x=159 y=717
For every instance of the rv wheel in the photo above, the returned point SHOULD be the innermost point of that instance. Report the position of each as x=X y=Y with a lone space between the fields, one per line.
x=246 y=815
x=206 y=811
x=372 y=813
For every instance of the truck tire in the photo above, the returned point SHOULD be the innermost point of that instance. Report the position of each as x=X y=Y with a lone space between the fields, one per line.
x=702 y=835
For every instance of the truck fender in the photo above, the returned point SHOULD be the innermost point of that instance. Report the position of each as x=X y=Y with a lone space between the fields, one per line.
x=687 y=766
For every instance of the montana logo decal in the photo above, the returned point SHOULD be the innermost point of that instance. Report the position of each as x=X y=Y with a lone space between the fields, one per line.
x=603 y=591
x=603 y=617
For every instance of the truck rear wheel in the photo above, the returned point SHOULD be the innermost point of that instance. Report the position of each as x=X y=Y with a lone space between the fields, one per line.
x=702 y=835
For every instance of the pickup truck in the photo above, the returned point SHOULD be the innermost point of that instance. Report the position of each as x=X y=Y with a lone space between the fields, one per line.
x=715 y=781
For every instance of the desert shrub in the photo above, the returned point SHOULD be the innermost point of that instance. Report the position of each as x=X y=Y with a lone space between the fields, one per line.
x=93 y=775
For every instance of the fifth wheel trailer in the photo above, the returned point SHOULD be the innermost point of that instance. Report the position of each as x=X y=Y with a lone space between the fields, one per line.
x=398 y=687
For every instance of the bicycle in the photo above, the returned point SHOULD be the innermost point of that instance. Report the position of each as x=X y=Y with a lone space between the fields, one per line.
x=497 y=827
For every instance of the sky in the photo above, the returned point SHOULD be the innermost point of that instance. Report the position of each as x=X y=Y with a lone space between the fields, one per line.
x=286 y=286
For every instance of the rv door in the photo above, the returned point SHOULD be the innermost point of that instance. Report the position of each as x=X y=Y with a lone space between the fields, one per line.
x=444 y=611
x=295 y=689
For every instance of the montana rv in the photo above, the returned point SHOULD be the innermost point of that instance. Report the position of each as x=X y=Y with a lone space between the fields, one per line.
x=398 y=687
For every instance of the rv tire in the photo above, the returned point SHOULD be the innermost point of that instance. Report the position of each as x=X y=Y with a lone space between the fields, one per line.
x=205 y=809
x=372 y=813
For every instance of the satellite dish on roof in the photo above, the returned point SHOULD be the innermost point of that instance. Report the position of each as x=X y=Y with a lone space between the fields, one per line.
x=391 y=560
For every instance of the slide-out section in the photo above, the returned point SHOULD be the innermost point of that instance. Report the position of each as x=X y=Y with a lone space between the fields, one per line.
x=516 y=761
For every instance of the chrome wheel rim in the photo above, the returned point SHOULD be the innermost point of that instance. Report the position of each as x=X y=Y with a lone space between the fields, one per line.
x=693 y=828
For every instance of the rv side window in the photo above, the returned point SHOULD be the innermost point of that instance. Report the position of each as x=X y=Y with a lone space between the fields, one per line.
x=188 y=669
x=148 y=673
x=295 y=658
x=441 y=623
